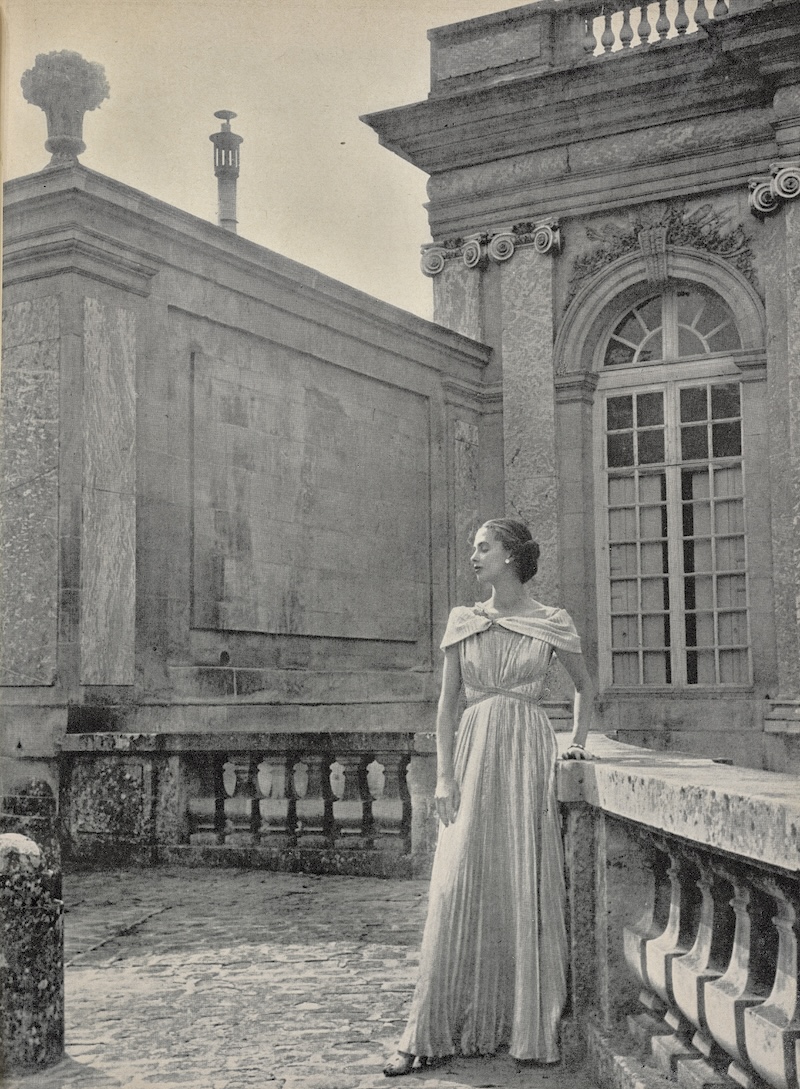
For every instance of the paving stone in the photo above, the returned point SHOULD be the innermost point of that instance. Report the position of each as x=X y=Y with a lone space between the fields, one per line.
x=228 y=979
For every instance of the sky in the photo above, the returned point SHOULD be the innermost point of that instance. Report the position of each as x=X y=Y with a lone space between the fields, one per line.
x=315 y=184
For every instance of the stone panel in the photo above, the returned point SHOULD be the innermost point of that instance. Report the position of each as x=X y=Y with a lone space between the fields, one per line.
x=457 y=299
x=499 y=47
x=29 y=487
x=529 y=407
x=108 y=530
x=311 y=488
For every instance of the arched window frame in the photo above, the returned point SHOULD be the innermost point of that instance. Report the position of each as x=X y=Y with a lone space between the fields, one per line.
x=581 y=377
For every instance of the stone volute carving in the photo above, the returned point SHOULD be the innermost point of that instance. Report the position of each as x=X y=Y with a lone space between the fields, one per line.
x=478 y=249
x=767 y=195
x=65 y=86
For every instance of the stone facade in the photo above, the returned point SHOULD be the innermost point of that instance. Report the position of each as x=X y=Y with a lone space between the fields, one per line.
x=206 y=449
x=579 y=168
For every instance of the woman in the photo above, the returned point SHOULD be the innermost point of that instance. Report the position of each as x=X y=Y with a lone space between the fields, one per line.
x=493 y=959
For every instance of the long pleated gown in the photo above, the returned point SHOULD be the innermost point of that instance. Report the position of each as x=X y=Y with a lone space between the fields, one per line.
x=493 y=959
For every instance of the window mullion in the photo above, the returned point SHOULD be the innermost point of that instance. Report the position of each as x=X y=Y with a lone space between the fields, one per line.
x=675 y=536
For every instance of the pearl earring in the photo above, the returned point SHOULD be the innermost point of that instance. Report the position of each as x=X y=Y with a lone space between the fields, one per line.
x=508 y=560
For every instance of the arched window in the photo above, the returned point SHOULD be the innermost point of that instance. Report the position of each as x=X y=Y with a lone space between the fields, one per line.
x=672 y=555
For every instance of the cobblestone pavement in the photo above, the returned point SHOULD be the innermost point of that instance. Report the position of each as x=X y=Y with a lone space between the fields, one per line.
x=224 y=979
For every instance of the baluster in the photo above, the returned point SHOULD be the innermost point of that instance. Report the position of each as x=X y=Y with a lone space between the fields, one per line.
x=240 y=801
x=314 y=800
x=772 y=1029
x=681 y=18
x=589 y=39
x=607 y=38
x=391 y=806
x=273 y=777
x=720 y=9
x=626 y=31
x=742 y=984
x=701 y=16
x=348 y=799
x=662 y=23
x=705 y=961
x=644 y=29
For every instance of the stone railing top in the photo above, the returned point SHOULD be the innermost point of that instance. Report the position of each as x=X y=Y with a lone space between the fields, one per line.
x=743 y=811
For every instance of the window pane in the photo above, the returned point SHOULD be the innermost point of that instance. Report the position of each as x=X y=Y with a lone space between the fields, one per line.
x=622 y=524
x=725 y=401
x=651 y=522
x=689 y=343
x=731 y=592
x=695 y=484
x=651 y=447
x=730 y=554
x=697 y=555
x=625 y=668
x=654 y=594
x=706 y=667
x=691 y=303
x=703 y=593
x=621 y=491
x=725 y=339
x=619 y=413
x=693 y=404
x=654 y=559
x=653 y=631
x=617 y=354
x=651 y=349
x=649 y=409
x=623 y=560
x=624 y=631
x=620 y=449
x=624 y=596
x=652 y=487
x=704 y=630
x=732 y=629
x=728 y=481
x=729 y=516
x=727 y=439
x=733 y=667
x=650 y=311
x=696 y=519
x=694 y=443
x=632 y=329
x=656 y=668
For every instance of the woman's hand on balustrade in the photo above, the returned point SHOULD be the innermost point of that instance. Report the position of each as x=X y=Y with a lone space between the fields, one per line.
x=447 y=799
x=578 y=752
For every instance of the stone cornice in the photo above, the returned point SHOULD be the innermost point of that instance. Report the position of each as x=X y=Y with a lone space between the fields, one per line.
x=576 y=387
x=769 y=194
x=477 y=398
x=135 y=224
x=76 y=249
x=477 y=250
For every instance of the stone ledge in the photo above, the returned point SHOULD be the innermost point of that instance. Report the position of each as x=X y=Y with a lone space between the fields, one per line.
x=613 y=1070
x=753 y=814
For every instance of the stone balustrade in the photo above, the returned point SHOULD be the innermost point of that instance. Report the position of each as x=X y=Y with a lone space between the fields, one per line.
x=332 y=803
x=555 y=34
x=694 y=905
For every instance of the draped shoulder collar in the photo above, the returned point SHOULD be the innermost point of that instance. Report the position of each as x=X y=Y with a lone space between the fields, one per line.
x=550 y=625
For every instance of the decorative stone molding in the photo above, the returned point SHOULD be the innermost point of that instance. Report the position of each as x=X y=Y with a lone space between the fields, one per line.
x=651 y=230
x=767 y=195
x=477 y=250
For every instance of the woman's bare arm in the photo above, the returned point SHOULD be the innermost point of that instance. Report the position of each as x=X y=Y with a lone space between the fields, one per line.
x=447 y=793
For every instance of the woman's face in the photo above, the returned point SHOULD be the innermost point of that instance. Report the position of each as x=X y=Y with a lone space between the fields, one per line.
x=488 y=557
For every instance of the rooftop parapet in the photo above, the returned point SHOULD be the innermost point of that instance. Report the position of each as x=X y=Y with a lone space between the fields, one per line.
x=554 y=34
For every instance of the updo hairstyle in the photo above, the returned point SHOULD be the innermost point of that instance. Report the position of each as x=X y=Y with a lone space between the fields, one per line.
x=515 y=537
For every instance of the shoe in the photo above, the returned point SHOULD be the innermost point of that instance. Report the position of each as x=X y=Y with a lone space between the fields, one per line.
x=400 y=1063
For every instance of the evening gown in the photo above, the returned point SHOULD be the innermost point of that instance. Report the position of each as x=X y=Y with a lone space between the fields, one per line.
x=493 y=958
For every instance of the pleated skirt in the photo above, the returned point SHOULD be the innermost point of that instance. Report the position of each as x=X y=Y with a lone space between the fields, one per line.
x=493 y=958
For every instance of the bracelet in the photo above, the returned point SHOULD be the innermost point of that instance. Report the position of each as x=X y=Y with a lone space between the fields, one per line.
x=575 y=745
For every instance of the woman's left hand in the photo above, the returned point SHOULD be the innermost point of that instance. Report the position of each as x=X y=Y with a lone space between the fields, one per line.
x=577 y=752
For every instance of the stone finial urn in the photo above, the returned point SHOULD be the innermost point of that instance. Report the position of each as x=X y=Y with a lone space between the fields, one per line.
x=65 y=86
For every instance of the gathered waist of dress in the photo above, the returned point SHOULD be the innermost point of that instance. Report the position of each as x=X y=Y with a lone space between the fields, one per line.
x=477 y=693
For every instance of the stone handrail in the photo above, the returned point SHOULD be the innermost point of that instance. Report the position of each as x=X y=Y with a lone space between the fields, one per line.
x=712 y=854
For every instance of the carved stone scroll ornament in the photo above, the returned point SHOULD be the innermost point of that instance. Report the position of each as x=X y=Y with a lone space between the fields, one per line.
x=768 y=195
x=477 y=250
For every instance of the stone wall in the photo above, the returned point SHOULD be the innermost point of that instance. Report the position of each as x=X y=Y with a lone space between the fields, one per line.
x=237 y=495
